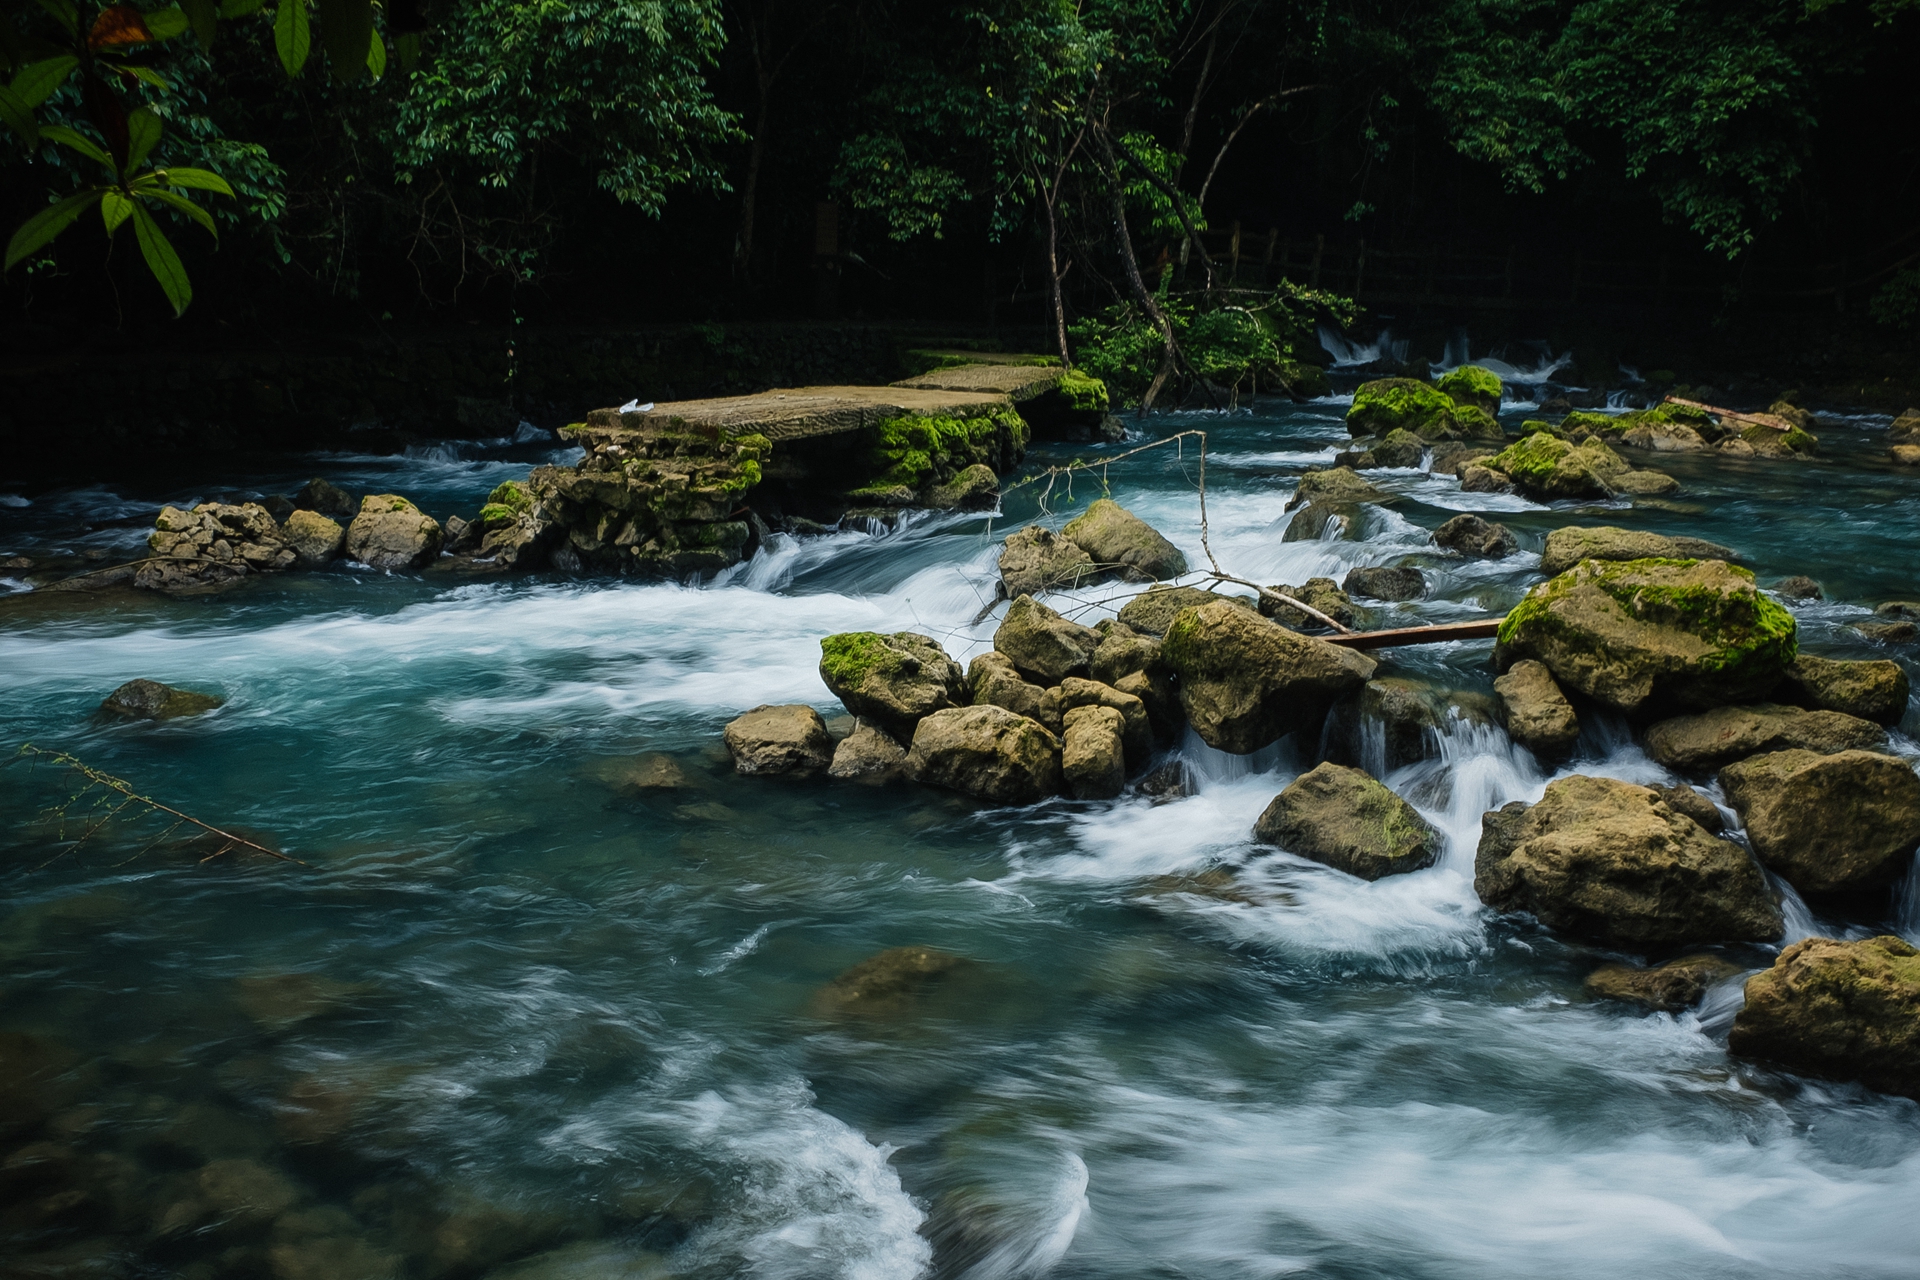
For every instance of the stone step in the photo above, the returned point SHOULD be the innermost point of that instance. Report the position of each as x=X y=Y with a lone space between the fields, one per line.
x=798 y=413
x=1017 y=382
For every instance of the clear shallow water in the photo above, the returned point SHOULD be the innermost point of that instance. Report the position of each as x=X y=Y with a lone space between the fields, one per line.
x=521 y=1017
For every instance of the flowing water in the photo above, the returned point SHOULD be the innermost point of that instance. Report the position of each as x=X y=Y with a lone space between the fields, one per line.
x=521 y=1017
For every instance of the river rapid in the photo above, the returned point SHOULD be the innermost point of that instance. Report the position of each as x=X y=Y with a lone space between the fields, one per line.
x=521 y=1018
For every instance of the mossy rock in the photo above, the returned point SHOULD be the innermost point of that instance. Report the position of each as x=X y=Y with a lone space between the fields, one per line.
x=1547 y=468
x=1844 y=1010
x=918 y=451
x=151 y=700
x=1641 y=634
x=511 y=495
x=1083 y=392
x=1582 y=425
x=1348 y=820
x=1472 y=385
x=1387 y=403
x=894 y=680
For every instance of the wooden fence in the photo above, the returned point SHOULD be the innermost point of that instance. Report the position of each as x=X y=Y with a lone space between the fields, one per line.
x=1517 y=279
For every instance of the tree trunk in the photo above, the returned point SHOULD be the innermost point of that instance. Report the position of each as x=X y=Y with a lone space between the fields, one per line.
x=1141 y=293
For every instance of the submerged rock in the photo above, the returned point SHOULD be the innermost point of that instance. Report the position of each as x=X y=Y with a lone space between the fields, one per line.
x=1641 y=633
x=151 y=700
x=1472 y=536
x=1348 y=820
x=1381 y=583
x=1612 y=863
x=1840 y=823
x=1153 y=610
x=868 y=754
x=391 y=533
x=1875 y=689
x=994 y=682
x=1725 y=734
x=989 y=753
x=1569 y=546
x=1668 y=988
x=1323 y=522
x=1093 y=757
x=1538 y=716
x=770 y=739
x=1043 y=645
x=892 y=680
x=976 y=488
x=1120 y=541
x=1797 y=587
x=885 y=985
x=1246 y=682
x=1844 y=1010
x=1036 y=560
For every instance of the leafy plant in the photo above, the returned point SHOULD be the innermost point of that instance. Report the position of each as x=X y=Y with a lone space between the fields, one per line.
x=1897 y=302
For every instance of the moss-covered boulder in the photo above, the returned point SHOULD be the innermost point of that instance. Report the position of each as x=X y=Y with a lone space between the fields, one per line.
x=1036 y=559
x=1875 y=690
x=509 y=499
x=1348 y=820
x=1725 y=734
x=1121 y=542
x=1324 y=522
x=1381 y=406
x=892 y=680
x=1246 y=682
x=152 y=700
x=1840 y=823
x=1044 y=646
x=1536 y=714
x=1401 y=448
x=1569 y=546
x=920 y=452
x=1640 y=634
x=1153 y=610
x=391 y=533
x=1668 y=988
x=1472 y=385
x=1843 y=1010
x=1548 y=469
x=989 y=753
x=1476 y=537
x=1612 y=863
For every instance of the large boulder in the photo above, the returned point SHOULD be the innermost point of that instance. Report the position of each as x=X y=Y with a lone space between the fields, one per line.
x=772 y=739
x=1844 y=1010
x=1569 y=546
x=994 y=682
x=1044 y=646
x=1136 y=727
x=1401 y=448
x=1547 y=468
x=892 y=680
x=313 y=538
x=391 y=533
x=1382 y=583
x=990 y=753
x=326 y=498
x=211 y=546
x=1119 y=540
x=1036 y=560
x=1246 y=682
x=1642 y=633
x=1725 y=734
x=1612 y=863
x=1840 y=823
x=1335 y=486
x=1669 y=988
x=1538 y=716
x=1347 y=819
x=1472 y=385
x=1385 y=404
x=1153 y=610
x=868 y=754
x=1093 y=754
x=1472 y=535
x=1874 y=690
x=151 y=700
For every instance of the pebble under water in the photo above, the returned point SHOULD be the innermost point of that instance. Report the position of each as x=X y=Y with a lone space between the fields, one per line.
x=521 y=1017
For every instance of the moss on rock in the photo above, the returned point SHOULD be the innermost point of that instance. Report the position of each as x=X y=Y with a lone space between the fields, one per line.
x=1387 y=403
x=1472 y=385
x=1083 y=392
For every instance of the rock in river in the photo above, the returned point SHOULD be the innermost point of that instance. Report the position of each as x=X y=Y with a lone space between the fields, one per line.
x=151 y=700
x=1472 y=536
x=1874 y=690
x=1246 y=682
x=885 y=984
x=1037 y=559
x=1725 y=734
x=391 y=533
x=1844 y=1010
x=1546 y=468
x=1385 y=584
x=327 y=498
x=1669 y=988
x=1569 y=546
x=1538 y=715
x=1136 y=728
x=868 y=754
x=1350 y=821
x=313 y=539
x=772 y=739
x=1153 y=610
x=990 y=753
x=1044 y=646
x=1119 y=540
x=1642 y=633
x=1093 y=756
x=892 y=680
x=1838 y=823
x=994 y=682
x=1611 y=863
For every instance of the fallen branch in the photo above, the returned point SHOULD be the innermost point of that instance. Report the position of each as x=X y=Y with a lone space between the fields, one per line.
x=1480 y=629
x=1771 y=421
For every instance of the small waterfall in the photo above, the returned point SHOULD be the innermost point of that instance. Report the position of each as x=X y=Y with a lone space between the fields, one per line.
x=1347 y=354
x=1906 y=904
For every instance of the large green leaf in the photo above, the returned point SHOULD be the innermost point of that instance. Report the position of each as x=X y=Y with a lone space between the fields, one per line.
x=167 y=23
x=292 y=35
x=184 y=205
x=78 y=142
x=46 y=224
x=377 y=56
x=36 y=83
x=19 y=117
x=115 y=208
x=165 y=264
x=146 y=75
x=143 y=132
x=198 y=179
x=205 y=17
x=345 y=28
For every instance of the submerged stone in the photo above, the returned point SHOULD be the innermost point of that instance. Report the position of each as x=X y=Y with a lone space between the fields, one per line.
x=1668 y=988
x=151 y=700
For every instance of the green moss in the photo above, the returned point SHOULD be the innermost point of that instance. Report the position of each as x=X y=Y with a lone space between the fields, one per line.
x=1380 y=406
x=1470 y=384
x=916 y=450
x=496 y=515
x=1533 y=458
x=511 y=494
x=1598 y=424
x=744 y=477
x=1474 y=423
x=846 y=658
x=1082 y=392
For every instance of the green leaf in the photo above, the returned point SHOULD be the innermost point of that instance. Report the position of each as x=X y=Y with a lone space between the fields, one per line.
x=115 y=208
x=143 y=132
x=46 y=224
x=165 y=24
x=146 y=75
x=345 y=28
x=185 y=206
x=377 y=57
x=19 y=117
x=78 y=142
x=292 y=36
x=36 y=83
x=205 y=17
x=162 y=260
x=63 y=13
x=408 y=47
x=239 y=8
x=198 y=179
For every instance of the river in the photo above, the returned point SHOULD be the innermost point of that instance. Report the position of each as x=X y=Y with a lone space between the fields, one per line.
x=521 y=1018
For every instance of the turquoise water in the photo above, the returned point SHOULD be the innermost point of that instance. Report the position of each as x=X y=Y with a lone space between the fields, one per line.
x=519 y=1017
